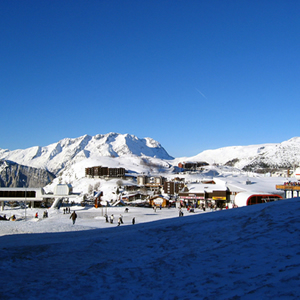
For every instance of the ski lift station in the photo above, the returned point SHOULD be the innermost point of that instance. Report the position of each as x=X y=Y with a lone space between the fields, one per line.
x=250 y=198
x=21 y=194
x=32 y=195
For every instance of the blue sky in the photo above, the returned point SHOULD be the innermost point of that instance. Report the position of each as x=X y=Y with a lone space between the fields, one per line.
x=193 y=75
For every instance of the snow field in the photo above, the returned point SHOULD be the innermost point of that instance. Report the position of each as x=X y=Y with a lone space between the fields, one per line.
x=244 y=253
x=87 y=218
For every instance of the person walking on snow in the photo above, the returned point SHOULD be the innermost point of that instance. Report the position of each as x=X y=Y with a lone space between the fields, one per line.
x=106 y=218
x=111 y=218
x=73 y=216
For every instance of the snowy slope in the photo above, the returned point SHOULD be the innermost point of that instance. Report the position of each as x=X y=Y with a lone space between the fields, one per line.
x=245 y=253
x=282 y=155
x=75 y=173
x=66 y=152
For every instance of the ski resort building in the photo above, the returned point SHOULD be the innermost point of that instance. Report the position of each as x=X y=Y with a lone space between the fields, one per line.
x=63 y=189
x=35 y=196
x=192 y=166
x=291 y=189
x=31 y=195
x=104 y=172
x=153 y=183
x=150 y=180
x=249 y=198
x=173 y=187
x=206 y=194
x=159 y=201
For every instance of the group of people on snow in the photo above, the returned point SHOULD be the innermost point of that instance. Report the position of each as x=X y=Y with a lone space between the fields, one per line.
x=4 y=218
x=67 y=210
x=13 y=217
x=110 y=219
x=290 y=183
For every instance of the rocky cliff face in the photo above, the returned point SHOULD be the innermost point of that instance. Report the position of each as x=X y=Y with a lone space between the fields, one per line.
x=15 y=175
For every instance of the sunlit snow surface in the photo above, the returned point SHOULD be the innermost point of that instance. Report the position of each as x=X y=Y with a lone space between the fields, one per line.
x=244 y=253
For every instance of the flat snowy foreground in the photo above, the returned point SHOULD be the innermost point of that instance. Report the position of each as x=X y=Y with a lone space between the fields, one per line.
x=244 y=253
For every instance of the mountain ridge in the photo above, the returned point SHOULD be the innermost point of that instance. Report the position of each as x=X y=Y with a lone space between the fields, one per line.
x=60 y=156
x=269 y=156
x=57 y=156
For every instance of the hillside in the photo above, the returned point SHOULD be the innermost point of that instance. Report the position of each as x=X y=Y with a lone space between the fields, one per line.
x=244 y=253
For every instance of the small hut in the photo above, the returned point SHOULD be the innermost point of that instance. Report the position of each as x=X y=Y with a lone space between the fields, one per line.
x=159 y=200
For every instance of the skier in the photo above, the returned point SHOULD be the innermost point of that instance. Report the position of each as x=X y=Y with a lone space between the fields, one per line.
x=111 y=218
x=133 y=221
x=73 y=216
x=36 y=215
x=121 y=219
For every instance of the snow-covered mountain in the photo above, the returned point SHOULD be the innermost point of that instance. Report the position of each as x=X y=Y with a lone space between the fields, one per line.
x=68 y=158
x=254 y=157
x=67 y=152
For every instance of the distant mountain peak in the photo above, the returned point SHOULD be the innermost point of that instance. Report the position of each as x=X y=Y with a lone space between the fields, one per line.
x=256 y=157
x=68 y=151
